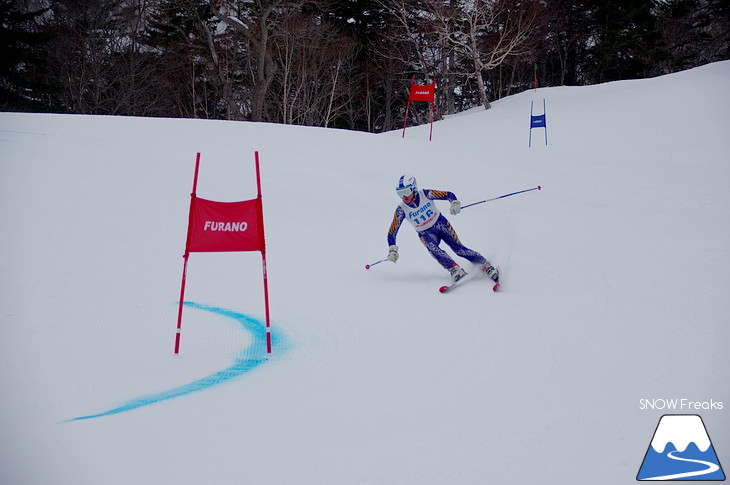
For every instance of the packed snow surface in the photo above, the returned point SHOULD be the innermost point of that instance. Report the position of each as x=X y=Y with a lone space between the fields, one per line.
x=615 y=297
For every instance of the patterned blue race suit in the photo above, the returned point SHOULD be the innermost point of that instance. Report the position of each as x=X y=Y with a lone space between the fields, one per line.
x=432 y=227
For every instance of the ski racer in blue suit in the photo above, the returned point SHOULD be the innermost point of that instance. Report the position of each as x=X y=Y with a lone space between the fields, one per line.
x=417 y=207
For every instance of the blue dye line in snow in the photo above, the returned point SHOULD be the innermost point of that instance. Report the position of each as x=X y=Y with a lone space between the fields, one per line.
x=250 y=358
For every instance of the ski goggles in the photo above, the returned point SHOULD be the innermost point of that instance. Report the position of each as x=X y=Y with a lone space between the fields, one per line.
x=404 y=191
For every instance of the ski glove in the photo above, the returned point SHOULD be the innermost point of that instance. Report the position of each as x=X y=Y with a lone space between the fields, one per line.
x=393 y=253
x=455 y=207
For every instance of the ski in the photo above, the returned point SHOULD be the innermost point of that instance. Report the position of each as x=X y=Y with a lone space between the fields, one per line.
x=447 y=288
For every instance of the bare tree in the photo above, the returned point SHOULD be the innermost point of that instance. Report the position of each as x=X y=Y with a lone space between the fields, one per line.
x=491 y=31
x=81 y=53
x=314 y=60
x=417 y=39
x=256 y=21
x=189 y=72
x=457 y=39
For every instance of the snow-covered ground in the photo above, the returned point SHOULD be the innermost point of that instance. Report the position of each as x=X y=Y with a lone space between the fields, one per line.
x=616 y=283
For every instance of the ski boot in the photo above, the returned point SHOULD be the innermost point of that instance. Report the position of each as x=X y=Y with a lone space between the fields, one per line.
x=491 y=271
x=457 y=272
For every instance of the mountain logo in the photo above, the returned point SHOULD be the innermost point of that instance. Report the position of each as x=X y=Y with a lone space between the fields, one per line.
x=680 y=450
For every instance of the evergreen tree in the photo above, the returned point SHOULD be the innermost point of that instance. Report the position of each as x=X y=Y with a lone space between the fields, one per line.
x=24 y=79
x=624 y=38
x=693 y=32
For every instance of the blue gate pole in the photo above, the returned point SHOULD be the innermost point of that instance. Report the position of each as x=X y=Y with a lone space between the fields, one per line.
x=544 y=111
x=529 y=142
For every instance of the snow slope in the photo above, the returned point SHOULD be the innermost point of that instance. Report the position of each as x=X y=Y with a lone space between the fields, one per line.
x=616 y=281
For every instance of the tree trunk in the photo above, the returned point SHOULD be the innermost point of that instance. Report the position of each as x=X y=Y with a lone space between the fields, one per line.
x=482 y=89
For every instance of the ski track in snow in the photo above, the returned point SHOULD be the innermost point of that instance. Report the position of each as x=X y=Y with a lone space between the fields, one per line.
x=249 y=359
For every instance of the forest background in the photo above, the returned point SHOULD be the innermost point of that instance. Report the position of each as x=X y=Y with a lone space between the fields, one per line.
x=334 y=63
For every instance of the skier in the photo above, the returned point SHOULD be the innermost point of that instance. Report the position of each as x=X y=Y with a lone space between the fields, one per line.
x=432 y=227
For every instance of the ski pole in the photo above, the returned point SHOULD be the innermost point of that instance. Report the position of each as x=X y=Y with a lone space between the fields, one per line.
x=368 y=266
x=501 y=197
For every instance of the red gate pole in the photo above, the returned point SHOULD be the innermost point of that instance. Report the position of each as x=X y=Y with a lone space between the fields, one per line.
x=430 y=133
x=262 y=245
x=433 y=105
x=405 y=120
x=186 y=255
